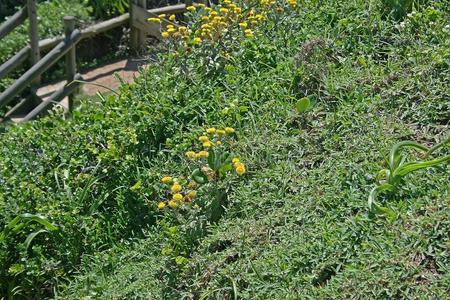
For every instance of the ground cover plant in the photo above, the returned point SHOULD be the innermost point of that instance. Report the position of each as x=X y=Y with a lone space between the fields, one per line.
x=317 y=93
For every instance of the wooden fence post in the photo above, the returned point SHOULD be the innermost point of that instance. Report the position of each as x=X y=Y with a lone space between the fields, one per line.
x=138 y=37
x=34 y=36
x=71 y=56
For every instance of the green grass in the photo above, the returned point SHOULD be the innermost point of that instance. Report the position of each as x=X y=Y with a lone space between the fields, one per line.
x=298 y=224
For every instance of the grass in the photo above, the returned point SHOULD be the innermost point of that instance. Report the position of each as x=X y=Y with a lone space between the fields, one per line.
x=298 y=224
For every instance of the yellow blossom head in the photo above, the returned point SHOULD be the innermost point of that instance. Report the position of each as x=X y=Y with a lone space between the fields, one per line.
x=191 y=195
x=229 y=130
x=235 y=160
x=173 y=204
x=191 y=8
x=220 y=131
x=165 y=34
x=161 y=205
x=240 y=170
x=162 y=16
x=196 y=206
x=203 y=154
x=154 y=20
x=166 y=179
x=224 y=10
x=207 y=144
x=172 y=17
x=177 y=197
x=211 y=130
x=190 y=154
x=176 y=188
x=243 y=25
x=203 y=138
x=197 y=40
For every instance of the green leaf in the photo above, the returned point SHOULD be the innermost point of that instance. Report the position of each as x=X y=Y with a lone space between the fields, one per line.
x=136 y=186
x=303 y=105
x=199 y=177
x=211 y=159
x=31 y=237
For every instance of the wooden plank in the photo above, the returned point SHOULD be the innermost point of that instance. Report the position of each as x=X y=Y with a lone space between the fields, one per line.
x=71 y=56
x=35 y=55
x=55 y=98
x=11 y=23
x=15 y=61
x=44 y=64
x=140 y=21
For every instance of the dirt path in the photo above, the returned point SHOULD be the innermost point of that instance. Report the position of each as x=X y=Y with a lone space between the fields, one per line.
x=127 y=69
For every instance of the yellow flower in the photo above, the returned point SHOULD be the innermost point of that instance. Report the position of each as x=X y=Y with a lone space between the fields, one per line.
x=229 y=130
x=196 y=206
x=173 y=204
x=203 y=138
x=154 y=20
x=182 y=29
x=170 y=26
x=237 y=10
x=213 y=13
x=205 y=18
x=197 y=40
x=203 y=154
x=220 y=131
x=201 y=5
x=238 y=164
x=211 y=130
x=191 y=195
x=205 y=26
x=177 y=197
x=207 y=144
x=218 y=143
x=166 y=179
x=162 y=16
x=191 y=8
x=171 y=30
x=175 y=188
x=227 y=1
x=161 y=205
x=208 y=8
x=243 y=25
x=248 y=32
x=172 y=17
x=165 y=34
x=235 y=160
x=190 y=154
x=240 y=170
x=224 y=10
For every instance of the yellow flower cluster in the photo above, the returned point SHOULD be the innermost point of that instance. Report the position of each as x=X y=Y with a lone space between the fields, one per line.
x=238 y=166
x=215 y=22
x=292 y=3
x=176 y=189
x=208 y=143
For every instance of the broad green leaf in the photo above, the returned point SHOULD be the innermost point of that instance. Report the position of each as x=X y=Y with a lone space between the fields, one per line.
x=303 y=105
x=31 y=237
x=199 y=177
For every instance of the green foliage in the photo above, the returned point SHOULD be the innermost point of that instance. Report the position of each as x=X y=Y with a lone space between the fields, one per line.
x=297 y=226
x=389 y=180
x=103 y=9
x=398 y=8
x=303 y=105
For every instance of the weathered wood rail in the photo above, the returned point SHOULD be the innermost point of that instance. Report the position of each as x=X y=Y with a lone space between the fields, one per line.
x=65 y=46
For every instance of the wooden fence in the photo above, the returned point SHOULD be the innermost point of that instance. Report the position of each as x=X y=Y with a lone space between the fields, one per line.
x=65 y=46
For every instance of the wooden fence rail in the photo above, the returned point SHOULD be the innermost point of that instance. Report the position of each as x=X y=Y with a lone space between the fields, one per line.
x=65 y=46
x=14 y=21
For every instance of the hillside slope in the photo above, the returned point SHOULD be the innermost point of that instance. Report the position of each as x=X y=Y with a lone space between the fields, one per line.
x=297 y=224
